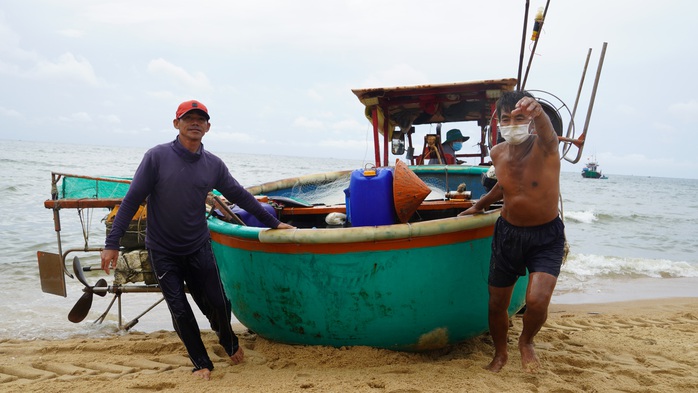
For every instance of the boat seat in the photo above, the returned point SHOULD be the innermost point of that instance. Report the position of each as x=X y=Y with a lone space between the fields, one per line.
x=433 y=150
x=447 y=158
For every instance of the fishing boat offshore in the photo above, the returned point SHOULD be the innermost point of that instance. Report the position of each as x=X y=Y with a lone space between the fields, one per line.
x=591 y=170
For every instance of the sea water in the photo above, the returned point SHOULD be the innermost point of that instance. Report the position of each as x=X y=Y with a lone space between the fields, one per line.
x=630 y=237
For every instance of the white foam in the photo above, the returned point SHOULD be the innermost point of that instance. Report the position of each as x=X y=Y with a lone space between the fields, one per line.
x=585 y=217
x=587 y=265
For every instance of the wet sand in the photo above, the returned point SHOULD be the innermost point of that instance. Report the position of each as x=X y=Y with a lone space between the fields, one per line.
x=634 y=346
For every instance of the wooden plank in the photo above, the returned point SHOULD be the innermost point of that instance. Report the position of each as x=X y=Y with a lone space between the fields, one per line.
x=426 y=205
x=442 y=205
x=82 y=203
x=302 y=211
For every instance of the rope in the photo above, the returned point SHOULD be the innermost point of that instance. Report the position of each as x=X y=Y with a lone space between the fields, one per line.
x=85 y=225
x=566 y=250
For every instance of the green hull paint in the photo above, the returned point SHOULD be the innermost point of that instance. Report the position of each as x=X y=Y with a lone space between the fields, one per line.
x=410 y=297
x=407 y=299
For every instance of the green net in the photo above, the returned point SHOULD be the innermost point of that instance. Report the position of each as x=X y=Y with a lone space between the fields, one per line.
x=72 y=187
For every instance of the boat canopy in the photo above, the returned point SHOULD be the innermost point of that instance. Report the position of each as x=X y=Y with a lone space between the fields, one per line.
x=406 y=106
x=438 y=103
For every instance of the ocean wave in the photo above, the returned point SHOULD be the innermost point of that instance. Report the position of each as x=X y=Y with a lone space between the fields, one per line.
x=585 y=217
x=588 y=265
x=591 y=216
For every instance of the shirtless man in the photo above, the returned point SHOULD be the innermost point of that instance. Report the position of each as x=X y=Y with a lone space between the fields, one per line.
x=529 y=233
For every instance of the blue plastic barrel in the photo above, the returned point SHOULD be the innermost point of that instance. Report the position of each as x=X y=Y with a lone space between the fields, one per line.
x=371 y=198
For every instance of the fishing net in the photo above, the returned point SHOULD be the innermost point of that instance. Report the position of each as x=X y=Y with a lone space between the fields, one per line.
x=76 y=187
x=321 y=192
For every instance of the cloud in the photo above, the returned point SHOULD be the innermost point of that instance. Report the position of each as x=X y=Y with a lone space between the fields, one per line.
x=350 y=144
x=132 y=12
x=66 y=67
x=686 y=111
x=163 y=95
x=349 y=124
x=197 y=81
x=663 y=127
x=625 y=109
x=283 y=70
x=638 y=164
x=7 y=112
x=72 y=33
x=10 y=50
x=78 y=117
x=113 y=119
x=304 y=122
x=237 y=137
x=10 y=39
x=401 y=74
x=314 y=95
x=121 y=131
x=328 y=126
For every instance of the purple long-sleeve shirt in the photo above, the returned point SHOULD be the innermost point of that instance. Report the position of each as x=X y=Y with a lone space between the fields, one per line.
x=176 y=182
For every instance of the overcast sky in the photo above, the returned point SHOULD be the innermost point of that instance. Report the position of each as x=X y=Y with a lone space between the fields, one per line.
x=277 y=75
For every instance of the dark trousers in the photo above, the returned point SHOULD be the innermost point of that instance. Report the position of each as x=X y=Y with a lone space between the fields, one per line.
x=200 y=274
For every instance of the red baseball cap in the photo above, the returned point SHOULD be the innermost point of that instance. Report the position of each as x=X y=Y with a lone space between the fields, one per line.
x=193 y=105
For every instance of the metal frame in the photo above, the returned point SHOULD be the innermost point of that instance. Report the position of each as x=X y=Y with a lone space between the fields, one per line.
x=50 y=264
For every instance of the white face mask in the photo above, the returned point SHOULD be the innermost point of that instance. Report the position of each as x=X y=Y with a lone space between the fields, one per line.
x=514 y=134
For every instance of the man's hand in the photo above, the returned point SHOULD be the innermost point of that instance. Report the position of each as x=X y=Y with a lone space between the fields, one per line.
x=283 y=225
x=471 y=210
x=528 y=107
x=109 y=258
x=531 y=108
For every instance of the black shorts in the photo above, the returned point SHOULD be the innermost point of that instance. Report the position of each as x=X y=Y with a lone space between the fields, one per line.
x=515 y=249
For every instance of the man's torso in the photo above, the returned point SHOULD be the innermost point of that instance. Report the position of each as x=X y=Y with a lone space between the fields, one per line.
x=530 y=180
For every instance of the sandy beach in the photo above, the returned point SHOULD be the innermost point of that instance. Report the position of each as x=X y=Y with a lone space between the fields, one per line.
x=636 y=346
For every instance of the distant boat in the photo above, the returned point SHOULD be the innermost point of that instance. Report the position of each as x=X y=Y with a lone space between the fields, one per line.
x=592 y=171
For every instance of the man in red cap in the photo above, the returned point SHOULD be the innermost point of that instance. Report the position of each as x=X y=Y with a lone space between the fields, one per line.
x=192 y=105
x=175 y=179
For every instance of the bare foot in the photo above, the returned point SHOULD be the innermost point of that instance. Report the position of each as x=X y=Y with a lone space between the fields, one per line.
x=204 y=374
x=497 y=363
x=529 y=360
x=238 y=356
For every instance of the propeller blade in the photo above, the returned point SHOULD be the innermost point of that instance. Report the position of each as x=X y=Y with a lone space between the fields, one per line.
x=102 y=283
x=81 y=308
x=77 y=269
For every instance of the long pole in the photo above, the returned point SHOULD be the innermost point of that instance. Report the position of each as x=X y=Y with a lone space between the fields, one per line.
x=579 y=142
x=523 y=45
x=593 y=90
x=570 y=127
x=535 y=44
x=579 y=92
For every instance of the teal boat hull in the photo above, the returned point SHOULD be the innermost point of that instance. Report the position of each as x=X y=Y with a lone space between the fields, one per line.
x=415 y=286
x=400 y=297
